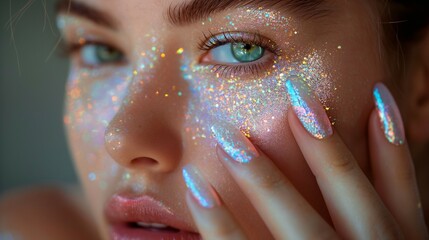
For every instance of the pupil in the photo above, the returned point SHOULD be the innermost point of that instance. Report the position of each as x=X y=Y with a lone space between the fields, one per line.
x=247 y=47
x=107 y=54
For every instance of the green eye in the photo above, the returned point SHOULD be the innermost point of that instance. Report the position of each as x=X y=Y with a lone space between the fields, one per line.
x=236 y=53
x=244 y=52
x=97 y=54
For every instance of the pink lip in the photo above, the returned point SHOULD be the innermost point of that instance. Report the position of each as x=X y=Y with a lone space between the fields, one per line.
x=123 y=210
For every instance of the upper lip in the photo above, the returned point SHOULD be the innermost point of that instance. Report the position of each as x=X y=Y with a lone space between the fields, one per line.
x=128 y=208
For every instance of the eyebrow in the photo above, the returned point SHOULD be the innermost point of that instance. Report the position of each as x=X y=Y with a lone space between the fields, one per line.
x=186 y=13
x=189 y=12
x=83 y=10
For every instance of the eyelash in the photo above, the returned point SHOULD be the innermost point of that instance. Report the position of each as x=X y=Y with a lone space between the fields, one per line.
x=211 y=41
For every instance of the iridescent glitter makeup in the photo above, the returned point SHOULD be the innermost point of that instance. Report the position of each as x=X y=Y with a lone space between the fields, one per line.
x=388 y=113
x=254 y=102
x=96 y=94
x=307 y=108
x=199 y=187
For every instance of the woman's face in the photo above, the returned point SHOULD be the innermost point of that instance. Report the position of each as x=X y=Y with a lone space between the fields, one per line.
x=149 y=79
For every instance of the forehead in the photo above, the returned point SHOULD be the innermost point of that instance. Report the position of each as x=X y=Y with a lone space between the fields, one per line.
x=183 y=12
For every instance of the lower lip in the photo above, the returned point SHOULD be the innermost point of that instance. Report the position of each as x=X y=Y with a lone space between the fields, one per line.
x=124 y=232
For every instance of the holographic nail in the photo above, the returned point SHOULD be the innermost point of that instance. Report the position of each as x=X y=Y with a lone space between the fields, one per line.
x=234 y=143
x=388 y=113
x=200 y=189
x=307 y=108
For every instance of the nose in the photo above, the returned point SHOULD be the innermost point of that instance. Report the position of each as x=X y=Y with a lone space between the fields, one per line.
x=145 y=133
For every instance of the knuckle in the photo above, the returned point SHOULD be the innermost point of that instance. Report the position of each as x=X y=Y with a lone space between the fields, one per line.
x=343 y=164
x=269 y=181
x=324 y=235
x=384 y=230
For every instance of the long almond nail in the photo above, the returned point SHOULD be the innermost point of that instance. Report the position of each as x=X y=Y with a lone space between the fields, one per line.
x=234 y=143
x=307 y=108
x=200 y=189
x=388 y=114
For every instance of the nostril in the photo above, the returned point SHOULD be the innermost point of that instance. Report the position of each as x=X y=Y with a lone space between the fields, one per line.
x=144 y=161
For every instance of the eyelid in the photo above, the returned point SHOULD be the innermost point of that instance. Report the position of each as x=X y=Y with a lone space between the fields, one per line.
x=71 y=49
x=214 y=40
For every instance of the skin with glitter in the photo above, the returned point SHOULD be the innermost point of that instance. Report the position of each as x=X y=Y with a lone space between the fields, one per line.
x=247 y=100
x=152 y=110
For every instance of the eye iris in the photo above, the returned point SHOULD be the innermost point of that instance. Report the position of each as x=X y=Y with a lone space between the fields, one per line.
x=244 y=52
x=106 y=54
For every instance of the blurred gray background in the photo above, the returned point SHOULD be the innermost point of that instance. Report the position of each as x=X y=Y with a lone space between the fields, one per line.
x=33 y=148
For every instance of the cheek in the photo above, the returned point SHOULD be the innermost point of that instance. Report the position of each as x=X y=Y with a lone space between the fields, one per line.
x=90 y=106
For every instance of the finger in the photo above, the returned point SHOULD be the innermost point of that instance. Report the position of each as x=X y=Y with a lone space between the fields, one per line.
x=355 y=207
x=392 y=166
x=285 y=212
x=212 y=218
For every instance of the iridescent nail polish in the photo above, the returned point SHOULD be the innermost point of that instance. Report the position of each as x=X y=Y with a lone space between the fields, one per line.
x=388 y=113
x=234 y=143
x=307 y=108
x=200 y=189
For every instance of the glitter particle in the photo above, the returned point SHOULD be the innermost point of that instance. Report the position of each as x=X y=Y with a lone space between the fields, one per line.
x=92 y=176
x=180 y=51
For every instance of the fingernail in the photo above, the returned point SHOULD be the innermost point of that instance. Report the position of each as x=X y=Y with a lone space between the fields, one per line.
x=307 y=108
x=200 y=189
x=388 y=114
x=234 y=143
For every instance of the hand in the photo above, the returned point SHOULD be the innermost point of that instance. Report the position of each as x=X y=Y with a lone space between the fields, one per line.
x=389 y=209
